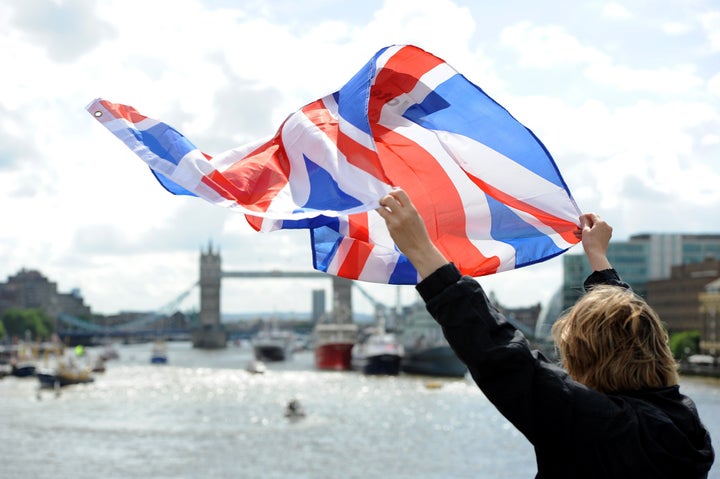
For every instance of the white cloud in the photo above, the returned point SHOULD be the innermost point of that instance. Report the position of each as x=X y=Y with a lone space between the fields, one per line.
x=547 y=47
x=713 y=85
x=675 y=79
x=710 y=139
x=675 y=28
x=616 y=11
x=552 y=47
x=711 y=24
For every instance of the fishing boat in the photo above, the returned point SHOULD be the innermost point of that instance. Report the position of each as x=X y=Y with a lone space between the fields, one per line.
x=273 y=345
x=333 y=345
x=427 y=352
x=378 y=352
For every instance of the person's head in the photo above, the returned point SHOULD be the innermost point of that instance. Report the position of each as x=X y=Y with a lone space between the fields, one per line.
x=611 y=340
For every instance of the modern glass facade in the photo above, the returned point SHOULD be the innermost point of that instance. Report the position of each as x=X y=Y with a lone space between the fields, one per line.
x=641 y=259
x=631 y=259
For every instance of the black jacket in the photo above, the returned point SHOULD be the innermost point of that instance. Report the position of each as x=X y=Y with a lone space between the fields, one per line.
x=577 y=432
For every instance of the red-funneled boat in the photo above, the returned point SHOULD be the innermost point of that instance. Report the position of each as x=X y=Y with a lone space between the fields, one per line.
x=333 y=345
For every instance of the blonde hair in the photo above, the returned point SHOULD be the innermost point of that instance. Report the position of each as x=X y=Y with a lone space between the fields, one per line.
x=613 y=341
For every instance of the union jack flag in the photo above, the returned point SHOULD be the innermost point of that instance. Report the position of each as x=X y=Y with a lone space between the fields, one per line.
x=490 y=193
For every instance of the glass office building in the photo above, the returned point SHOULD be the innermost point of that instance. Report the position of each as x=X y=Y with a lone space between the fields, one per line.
x=640 y=259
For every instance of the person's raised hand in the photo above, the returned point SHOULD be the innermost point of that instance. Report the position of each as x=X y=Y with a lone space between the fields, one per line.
x=409 y=233
x=595 y=234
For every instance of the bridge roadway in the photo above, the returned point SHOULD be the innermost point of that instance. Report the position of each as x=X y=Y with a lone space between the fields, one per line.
x=275 y=274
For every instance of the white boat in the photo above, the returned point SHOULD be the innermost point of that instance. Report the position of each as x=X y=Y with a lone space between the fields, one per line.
x=273 y=345
x=378 y=352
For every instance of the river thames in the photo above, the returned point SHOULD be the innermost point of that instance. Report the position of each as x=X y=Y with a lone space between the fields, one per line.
x=203 y=416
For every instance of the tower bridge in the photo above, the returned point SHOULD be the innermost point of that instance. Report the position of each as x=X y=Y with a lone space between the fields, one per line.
x=206 y=329
x=210 y=334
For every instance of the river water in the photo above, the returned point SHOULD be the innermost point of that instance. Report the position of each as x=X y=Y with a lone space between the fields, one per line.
x=203 y=416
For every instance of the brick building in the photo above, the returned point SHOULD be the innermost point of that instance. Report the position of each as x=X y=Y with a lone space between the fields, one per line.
x=710 y=318
x=676 y=299
x=29 y=289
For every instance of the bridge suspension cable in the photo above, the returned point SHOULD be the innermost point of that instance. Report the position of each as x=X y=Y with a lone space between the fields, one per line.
x=135 y=324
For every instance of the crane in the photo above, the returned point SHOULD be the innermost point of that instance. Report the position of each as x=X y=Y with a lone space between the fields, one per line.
x=381 y=316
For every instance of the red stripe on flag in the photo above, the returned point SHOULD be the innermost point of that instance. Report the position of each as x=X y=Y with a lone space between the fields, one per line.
x=434 y=195
x=123 y=111
x=355 y=259
x=254 y=221
x=407 y=59
x=411 y=167
x=361 y=157
x=355 y=153
x=358 y=227
x=562 y=227
x=254 y=181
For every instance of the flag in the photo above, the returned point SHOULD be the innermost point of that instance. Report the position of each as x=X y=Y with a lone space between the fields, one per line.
x=488 y=190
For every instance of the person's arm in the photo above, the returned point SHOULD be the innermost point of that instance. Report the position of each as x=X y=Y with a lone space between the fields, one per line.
x=408 y=230
x=595 y=234
x=520 y=383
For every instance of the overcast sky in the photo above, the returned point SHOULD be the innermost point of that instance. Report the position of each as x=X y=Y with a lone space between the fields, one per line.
x=625 y=96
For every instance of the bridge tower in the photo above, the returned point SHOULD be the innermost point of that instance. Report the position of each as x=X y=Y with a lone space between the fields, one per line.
x=342 y=300
x=211 y=334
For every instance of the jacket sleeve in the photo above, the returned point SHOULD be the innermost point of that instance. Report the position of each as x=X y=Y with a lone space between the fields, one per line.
x=537 y=396
x=606 y=276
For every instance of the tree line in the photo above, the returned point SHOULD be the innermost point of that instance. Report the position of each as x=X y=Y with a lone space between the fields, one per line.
x=15 y=322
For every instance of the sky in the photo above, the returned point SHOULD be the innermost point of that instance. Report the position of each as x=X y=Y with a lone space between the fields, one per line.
x=624 y=95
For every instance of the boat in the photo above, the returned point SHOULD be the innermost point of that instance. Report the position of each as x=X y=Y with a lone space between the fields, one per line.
x=23 y=369
x=256 y=367
x=23 y=359
x=273 y=345
x=159 y=353
x=427 y=352
x=109 y=352
x=98 y=364
x=378 y=352
x=64 y=374
x=333 y=345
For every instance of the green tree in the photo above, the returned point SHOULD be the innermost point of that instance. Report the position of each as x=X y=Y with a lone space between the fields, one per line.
x=16 y=321
x=684 y=344
x=2 y=330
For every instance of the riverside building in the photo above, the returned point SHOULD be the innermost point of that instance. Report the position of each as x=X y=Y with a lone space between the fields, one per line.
x=646 y=261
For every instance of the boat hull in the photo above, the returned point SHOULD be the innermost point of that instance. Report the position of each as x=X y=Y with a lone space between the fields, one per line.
x=273 y=346
x=52 y=380
x=23 y=370
x=334 y=356
x=379 y=364
x=433 y=361
x=270 y=353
